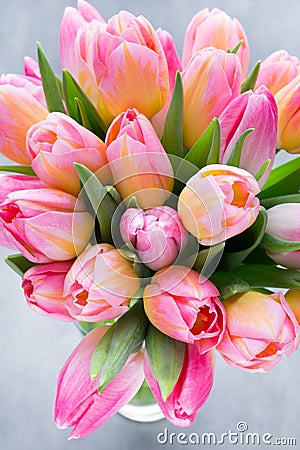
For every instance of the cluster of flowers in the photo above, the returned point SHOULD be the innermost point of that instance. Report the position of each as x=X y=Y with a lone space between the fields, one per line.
x=145 y=194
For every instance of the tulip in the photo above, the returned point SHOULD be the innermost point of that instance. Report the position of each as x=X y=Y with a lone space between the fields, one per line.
x=293 y=298
x=11 y=183
x=100 y=284
x=284 y=223
x=138 y=161
x=119 y=65
x=211 y=80
x=43 y=288
x=157 y=234
x=56 y=143
x=277 y=70
x=45 y=224
x=191 y=390
x=260 y=328
x=218 y=202
x=185 y=306
x=78 y=403
x=287 y=99
x=256 y=110
x=215 y=29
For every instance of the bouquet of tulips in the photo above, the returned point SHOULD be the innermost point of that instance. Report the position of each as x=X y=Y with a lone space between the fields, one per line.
x=144 y=206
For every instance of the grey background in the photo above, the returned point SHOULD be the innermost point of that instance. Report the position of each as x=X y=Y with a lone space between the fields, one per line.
x=33 y=348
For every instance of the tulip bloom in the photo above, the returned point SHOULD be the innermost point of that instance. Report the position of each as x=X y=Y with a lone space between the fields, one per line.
x=185 y=306
x=215 y=29
x=56 y=143
x=157 y=234
x=284 y=223
x=277 y=70
x=256 y=110
x=260 y=328
x=139 y=164
x=288 y=99
x=218 y=202
x=11 y=183
x=293 y=299
x=43 y=288
x=191 y=390
x=119 y=65
x=211 y=80
x=45 y=224
x=78 y=403
x=100 y=284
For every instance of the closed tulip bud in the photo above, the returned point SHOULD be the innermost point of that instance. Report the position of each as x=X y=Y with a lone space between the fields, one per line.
x=211 y=80
x=43 y=288
x=185 y=306
x=77 y=402
x=284 y=223
x=215 y=29
x=138 y=161
x=191 y=390
x=260 y=328
x=100 y=284
x=287 y=99
x=277 y=70
x=45 y=224
x=157 y=234
x=56 y=143
x=293 y=298
x=218 y=202
x=256 y=110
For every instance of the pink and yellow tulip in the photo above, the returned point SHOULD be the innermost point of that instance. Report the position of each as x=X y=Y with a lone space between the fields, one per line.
x=260 y=328
x=78 y=403
x=218 y=202
x=185 y=306
x=293 y=298
x=56 y=143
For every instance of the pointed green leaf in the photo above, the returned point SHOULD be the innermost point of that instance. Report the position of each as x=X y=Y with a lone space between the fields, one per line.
x=273 y=201
x=172 y=135
x=228 y=283
x=198 y=154
x=250 y=81
x=114 y=193
x=279 y=245
x=262 y=170
x=260 y=276
x=235 y=157
x=236 y=48
x=284 y=179
x=166 y=356
x=132 y=203
x=100 y=354
x=25 y=170
x=214 y=152
x=19 y=263
x=82 y=115
x=50 y=85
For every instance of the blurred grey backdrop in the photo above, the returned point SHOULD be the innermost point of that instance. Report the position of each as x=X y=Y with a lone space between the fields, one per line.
x=33 y=348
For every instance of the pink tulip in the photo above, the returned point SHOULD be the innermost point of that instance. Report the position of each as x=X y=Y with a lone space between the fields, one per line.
x=56 y=143
x=215 y=28
x=78 y=403
x=45 y=224
x=277 y=70
x=218 y=202
x=157 y=234
x=138 y=161
x=43 y=288
x=191 y=390
x=293 y=299
x=256 y=110
x=211 y=80
x=260 y=328
x=284 y=223
x=185 y=306
x=288 y=99
x=119 y=65
x=100 y=284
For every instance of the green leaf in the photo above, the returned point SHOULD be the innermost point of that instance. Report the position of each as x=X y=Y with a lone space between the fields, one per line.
x=273 y=201
x=214 y=152
x=82 y=115
x=25 y=170
x=239 y=247
x=73 y=91
x=262 y=170
x=166 y=356
x=19 y=263
x=279 y=245
x=282 y=180
x=132 y=203
x=101 y=201
x=86 y=327
x=114 y=193
x=172 y=135
x=236 y=48
x=250 y=81
x=50 y=85
x=208 y=259
x=228 y=283
x=235 y=157
x=266 y=276
x=100 y=354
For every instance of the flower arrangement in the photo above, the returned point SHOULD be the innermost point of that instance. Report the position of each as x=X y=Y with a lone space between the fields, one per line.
x=146 y=209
